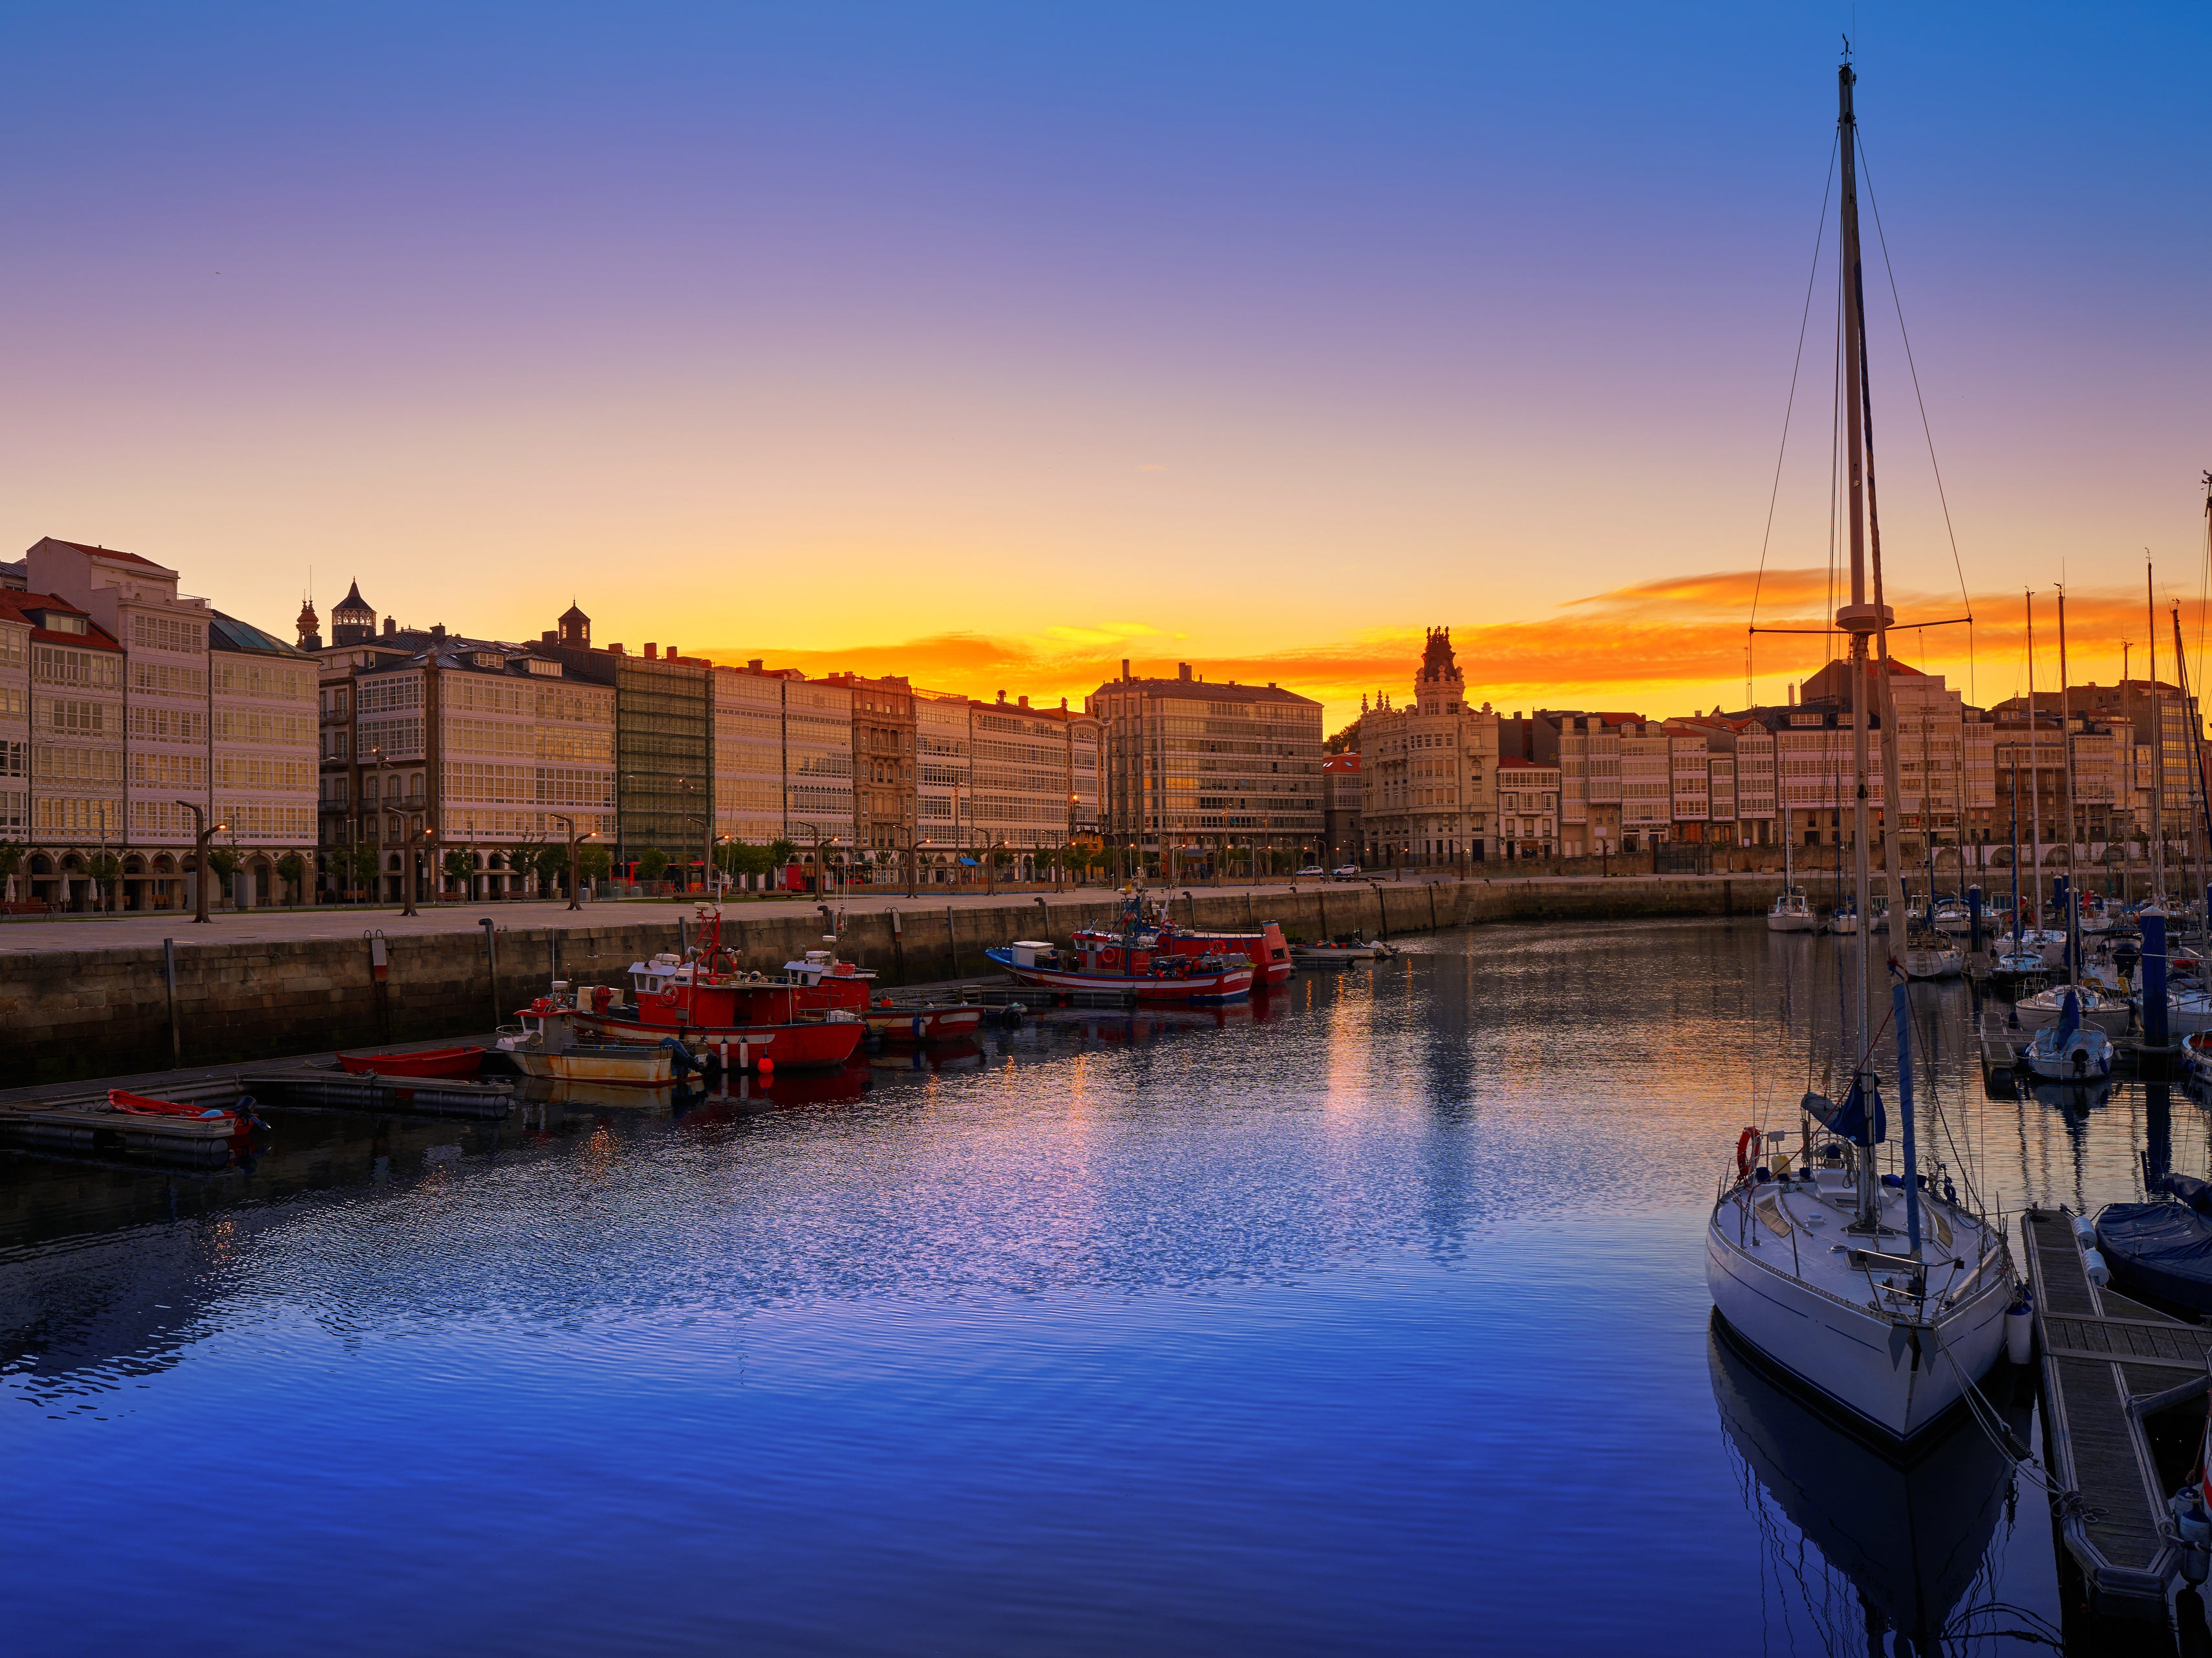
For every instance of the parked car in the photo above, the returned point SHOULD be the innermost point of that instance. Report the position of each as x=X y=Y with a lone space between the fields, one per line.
x=1347 y=871
x=1310 y=869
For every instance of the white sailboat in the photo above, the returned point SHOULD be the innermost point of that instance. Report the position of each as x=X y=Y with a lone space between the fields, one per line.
x=1887 y=1299
x=1792 y=911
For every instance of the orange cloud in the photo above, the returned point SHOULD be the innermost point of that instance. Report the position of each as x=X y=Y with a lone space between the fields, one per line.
x=1664 y=646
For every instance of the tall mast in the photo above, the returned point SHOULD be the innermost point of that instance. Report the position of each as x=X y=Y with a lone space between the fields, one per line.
x=2066 y=742
x=2034 y=778
x=2157 y=750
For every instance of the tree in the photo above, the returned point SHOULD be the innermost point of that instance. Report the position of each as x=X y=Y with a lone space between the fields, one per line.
x=459 y=867
x=522 y=857
x=652 y=863
x=104 y=866
x=292 y=869
x=551 y=861
x=357 y=866
x=223 y=864
x=593 y=863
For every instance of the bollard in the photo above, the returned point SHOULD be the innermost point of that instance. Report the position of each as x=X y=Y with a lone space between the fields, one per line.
x=491 y=966
x=2154 y=978
x=169 y=971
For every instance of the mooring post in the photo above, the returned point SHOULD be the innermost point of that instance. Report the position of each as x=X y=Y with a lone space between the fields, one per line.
x=169 y=972
x=898 y=946
x=491 y=965
x=951 y=944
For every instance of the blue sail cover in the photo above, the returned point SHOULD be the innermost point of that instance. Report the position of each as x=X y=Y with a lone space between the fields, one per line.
x=1849 y=1119
x=2162 y=1248
x=2069 y=1021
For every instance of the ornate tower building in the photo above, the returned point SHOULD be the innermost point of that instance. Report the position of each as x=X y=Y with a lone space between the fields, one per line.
x=1429 y=769
x=310 y=627
x=353 y=621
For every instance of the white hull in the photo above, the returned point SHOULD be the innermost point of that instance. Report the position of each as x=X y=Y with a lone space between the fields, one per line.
x=1853 y=1356
x=1791 y=921
x=1933 y=964
x=2036 y=1012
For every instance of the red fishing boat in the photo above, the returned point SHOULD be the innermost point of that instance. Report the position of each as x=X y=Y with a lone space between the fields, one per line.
x=1267 y=950
x=1132 y=961
x=748 y=1021
x=423 y=1062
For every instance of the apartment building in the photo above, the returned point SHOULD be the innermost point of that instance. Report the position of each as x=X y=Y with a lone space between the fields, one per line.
x=139 y=703
x=1527 y=807
x=748 y=746
x=1192 y=768
x=885 y=765
x=943 y=779
x=1344 y=833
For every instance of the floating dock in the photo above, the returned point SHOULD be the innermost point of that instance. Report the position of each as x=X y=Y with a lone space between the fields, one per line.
x=82 y=1122
x=425 y=1095
x=2105 y=1362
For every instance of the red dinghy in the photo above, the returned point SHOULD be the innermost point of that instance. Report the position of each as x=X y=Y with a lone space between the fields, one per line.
x=428 y=1062
x=212 y=1120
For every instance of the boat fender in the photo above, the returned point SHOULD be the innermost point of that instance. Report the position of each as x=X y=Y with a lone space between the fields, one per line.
x=2092 y=1263
x=2018 y=1331
x=1744 y=1142
x=2085 y=1230
x=764 y=1067
x=2189 y=1518
x=920 y=1025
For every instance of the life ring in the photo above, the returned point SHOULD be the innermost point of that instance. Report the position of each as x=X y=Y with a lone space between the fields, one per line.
x=671 y=996
x=1110 y=958
x=1744 y=1142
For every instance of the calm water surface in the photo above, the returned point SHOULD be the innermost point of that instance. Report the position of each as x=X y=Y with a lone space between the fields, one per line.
x=1372 y=1317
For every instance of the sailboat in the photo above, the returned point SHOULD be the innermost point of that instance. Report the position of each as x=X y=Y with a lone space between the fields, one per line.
x=1792 y=911
x=1883 y=1294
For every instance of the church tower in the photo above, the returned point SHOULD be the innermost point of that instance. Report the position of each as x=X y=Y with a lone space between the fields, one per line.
x=575 y=627
x=1438 y=687
x=310 y=626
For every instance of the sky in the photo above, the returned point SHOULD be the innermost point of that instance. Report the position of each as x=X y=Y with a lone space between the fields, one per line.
x=994 y=344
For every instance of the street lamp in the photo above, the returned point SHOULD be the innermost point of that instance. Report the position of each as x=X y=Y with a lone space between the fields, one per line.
x=705 y=819
x=575 y=890
x=203 y=833
x=422 y=836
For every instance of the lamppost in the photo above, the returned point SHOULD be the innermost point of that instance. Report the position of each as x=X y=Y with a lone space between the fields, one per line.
x=575 y=890
x=423 y=837
x=203 y=833
x=383 y=769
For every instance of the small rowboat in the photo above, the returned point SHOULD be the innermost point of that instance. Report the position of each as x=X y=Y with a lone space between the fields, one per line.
x=1351 y=951
x=425 y=1062
x=928 y=1022
x=218 y=1119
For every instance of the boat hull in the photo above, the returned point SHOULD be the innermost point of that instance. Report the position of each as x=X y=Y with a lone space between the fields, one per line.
x=923 y=1024
x=434 y=1062
x=1858 y=1361
x=1229 y=986
x=1791 y=923
x=651 y=1067
x=784 y=1046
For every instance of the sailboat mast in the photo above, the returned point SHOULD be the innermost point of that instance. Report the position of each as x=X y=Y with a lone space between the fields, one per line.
x=2195 y=759
x=2034 y=777
x=2157 y=750
x=1857 y=618
x=2073 y=827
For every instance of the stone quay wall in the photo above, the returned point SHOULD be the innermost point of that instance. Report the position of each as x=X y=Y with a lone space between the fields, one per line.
x=71 y=1014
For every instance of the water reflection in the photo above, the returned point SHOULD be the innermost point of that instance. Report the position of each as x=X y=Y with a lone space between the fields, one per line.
x=1903 y=1549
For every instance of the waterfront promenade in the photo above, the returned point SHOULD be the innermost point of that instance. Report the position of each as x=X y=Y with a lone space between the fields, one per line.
x=32 y=934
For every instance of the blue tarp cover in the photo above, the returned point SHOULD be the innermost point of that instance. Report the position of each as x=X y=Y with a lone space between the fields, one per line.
x=2170 y=1242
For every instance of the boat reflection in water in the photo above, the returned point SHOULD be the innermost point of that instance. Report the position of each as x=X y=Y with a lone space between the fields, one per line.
x=963 y=1054
x=595 y=1096
x=1911 y=1541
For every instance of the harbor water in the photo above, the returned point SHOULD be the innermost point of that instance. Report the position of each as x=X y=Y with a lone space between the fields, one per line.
x=1368 y=1317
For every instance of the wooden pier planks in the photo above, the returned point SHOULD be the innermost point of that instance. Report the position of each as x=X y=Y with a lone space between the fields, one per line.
x=2106 y=1361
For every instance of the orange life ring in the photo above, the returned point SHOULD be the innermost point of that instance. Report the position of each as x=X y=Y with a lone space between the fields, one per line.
x=669 y=996
x=1744 y=1142
x=1110 y=958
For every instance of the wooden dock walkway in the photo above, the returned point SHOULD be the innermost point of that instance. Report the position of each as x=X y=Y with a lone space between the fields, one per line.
x=2106 y=1362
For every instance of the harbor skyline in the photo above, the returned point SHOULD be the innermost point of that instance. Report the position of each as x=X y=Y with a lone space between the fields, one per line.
x=1017 y=342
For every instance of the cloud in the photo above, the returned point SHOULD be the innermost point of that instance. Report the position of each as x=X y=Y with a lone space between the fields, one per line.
x=1663 y=647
